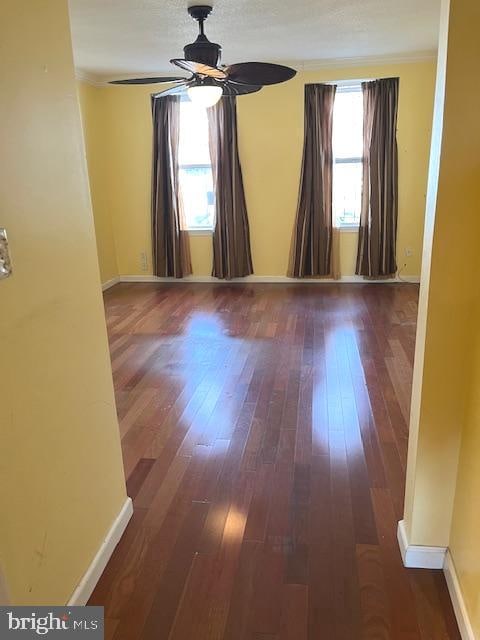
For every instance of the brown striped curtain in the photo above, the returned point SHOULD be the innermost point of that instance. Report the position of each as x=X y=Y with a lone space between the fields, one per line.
x=311 y=252
x=171 y=250
x=376 y=256
x=232 y=256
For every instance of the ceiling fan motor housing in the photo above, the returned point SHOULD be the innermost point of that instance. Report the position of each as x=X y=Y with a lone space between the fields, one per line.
x=202 y=50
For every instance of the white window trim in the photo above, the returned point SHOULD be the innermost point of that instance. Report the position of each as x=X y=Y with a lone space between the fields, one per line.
x=199 y=231
x=347 y=227
x=350 y=85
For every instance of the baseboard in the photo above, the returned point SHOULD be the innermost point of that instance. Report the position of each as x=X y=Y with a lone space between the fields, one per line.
x=416 y=556
x=456 y=596
x=110 y=283
x=271 y=279
x=396 y=280
x=87 y=584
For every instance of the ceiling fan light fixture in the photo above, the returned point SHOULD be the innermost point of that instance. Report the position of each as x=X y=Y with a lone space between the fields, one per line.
x=208 y=82
x=205 y=95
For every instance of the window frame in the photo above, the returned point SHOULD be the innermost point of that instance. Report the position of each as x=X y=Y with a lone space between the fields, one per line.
x=350 y=86
x=191 y=230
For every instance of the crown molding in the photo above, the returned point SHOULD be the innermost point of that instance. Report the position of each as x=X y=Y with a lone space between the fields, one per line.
x=362 y=61
x=300 y=65
x=88 y=78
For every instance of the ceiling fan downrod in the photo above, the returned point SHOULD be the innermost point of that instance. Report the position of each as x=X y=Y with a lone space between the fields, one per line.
x=202 y=50
x=200 y=13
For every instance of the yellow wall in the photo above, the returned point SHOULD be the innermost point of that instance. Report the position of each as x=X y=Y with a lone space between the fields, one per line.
x=443 y=474
x=61 y=480
x=462 y=193
x=271 y=140
x=91 y=110
x=465 y=531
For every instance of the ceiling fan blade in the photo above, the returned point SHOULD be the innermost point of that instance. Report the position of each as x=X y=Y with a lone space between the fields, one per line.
x=259 y=73
x=232 y=89
x=174 y=91
x=198 y=68
x=159 y=80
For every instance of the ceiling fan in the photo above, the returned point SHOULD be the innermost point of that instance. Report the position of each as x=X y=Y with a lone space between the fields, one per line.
x=208 y=81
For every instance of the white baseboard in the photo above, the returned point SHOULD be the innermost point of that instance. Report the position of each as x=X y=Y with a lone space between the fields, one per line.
x=461 y=613
x=110 y=283
x=396 y=280
x=271 y=279
x=416 y=556
x=87 y=584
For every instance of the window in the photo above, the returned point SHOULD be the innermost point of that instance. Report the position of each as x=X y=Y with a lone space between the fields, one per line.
x=347 y=155
x=195 y=170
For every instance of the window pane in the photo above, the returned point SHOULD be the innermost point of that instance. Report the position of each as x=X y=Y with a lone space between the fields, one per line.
x=193 y=134
x=347 y=193
x=195 y=171
x=198 y=199
x=348 y=124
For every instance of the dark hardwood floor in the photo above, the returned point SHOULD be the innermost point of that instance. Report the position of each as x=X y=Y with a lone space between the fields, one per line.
x=264 y=432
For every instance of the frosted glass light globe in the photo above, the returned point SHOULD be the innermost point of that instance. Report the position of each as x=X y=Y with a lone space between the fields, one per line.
x=204 y=96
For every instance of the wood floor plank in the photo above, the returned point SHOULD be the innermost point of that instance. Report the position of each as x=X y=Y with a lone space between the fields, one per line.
x=294 y=617
x=321 y=616
x=168 y=593
x=346 y=593
x=138 y=476
x=433 y=623
x=373 y=601
x=264 y=434
x=243 y=591
x=405 y=622
x=204 y=605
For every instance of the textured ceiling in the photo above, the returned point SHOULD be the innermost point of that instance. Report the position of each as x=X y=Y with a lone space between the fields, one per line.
x=115 y=37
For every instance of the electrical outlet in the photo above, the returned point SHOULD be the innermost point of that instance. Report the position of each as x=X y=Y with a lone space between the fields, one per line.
x=143 y=261
x=408 y=252
x=5 y=262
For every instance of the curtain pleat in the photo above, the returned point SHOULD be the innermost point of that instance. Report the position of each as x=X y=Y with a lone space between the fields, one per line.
x=311 y=249
x=170 y=242
x=232 y=256
x=376 y=256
